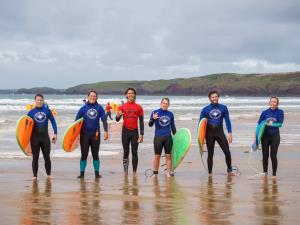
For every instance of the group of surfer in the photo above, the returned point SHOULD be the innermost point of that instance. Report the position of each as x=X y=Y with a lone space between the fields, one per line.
x=133 y=132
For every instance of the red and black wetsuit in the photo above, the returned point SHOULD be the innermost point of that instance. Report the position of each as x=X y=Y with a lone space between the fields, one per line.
x=108 y=111
x=132 y=113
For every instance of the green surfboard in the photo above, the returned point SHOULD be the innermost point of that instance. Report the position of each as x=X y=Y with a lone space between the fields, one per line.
x=181 y=143
x=260 y=129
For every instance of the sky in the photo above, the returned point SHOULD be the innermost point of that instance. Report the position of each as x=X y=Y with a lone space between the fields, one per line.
x=60 y=43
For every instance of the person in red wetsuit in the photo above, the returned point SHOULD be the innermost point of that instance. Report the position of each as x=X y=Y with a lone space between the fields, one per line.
x=108 y=109
x=132 y=113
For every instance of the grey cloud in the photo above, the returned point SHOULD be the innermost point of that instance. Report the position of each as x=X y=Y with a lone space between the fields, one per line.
x=62 y=43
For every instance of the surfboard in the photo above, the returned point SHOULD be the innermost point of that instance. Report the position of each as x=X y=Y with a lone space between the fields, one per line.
x=114 y=107
x=72 y=135
x=181 y=143
x=260 y=129
x=23 y=134
x=201 y=134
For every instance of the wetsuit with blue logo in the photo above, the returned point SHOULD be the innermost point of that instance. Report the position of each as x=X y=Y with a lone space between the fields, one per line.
x=40 y=138
x=271 y=138
x=215 y=114
x=90 y=134
x=164 y=125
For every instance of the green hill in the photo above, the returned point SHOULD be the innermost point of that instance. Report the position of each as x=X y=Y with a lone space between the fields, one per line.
x=228 y=84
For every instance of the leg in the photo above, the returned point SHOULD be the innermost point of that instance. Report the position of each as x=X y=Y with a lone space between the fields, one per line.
x=46 y=146
x=158 y=145
x=110 y=116
x=84 y=146
x=168 y=144
x=134 y=150
x=222 y=141
x=210 y=143
x=95 y=144
x=265 y=152
x=125 y=143
x=35 y=146
x=274 y=149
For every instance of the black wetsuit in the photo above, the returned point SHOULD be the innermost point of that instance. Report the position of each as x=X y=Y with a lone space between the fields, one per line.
x=132 y=113
x=215 y=114
x=40 y=138
x=271 y=138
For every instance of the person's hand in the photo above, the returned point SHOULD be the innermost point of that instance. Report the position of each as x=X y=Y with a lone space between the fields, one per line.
x=119 y=113
x=229 y=137
x=105 y=136
x=54 y=139
x=141 y=139
x=155 y=116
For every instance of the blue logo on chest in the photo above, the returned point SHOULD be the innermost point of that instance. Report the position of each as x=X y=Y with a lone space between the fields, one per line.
x=92 y=113
x=164 y=121
x=215 y=114
x=40 y=117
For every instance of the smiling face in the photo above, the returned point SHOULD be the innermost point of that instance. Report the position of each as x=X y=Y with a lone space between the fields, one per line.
x=39 y=101
x=92 y=98
x=164 y=104
x=214 y=98
x=130 y=95
x=273 y=103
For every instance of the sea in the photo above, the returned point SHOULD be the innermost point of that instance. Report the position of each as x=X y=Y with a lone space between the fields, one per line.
x=244 y=112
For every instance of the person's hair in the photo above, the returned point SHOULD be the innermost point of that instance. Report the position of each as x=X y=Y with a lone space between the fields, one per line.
x=274 y=97
x=130 y=89
x=213 y=92
x=38 y=95
x=167 y=99
x=93 y=91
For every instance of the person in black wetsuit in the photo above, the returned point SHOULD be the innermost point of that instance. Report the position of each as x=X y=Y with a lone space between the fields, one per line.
x=91 y=112
x=164 y=128
x=271 y=138
x=40 y=139
x=132 y=114
x=215 y=113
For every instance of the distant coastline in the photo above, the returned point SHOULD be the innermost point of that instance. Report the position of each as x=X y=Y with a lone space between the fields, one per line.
x=281 y=84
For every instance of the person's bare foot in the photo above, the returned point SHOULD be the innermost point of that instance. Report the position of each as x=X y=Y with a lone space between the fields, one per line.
x=34 y=178
x=168 y=175
x=49 y=177
x=274 y=177
x=210 y=174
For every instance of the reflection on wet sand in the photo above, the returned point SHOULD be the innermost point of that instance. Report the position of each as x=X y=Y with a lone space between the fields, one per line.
x=216 y=202
x=268 y=207
x=90 y=210
x=131 y=205
x=37 y=205
x=170 y=203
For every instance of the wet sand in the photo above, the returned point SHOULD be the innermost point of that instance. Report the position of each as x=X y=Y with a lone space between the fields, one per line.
x=191 y=197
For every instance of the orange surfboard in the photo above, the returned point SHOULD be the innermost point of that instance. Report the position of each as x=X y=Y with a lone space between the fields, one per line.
x=23 y=134
x=72 y=135
x=202 y=134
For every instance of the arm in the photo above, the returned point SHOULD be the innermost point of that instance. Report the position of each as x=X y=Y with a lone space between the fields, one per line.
x=261 y=118
x=151 y=120
x=53 y=122
x=279 y=121
x=119 y=114
x=141 y=119
x=202 y=115
x=227 y=120
x=79 y=114
x=103 y=119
